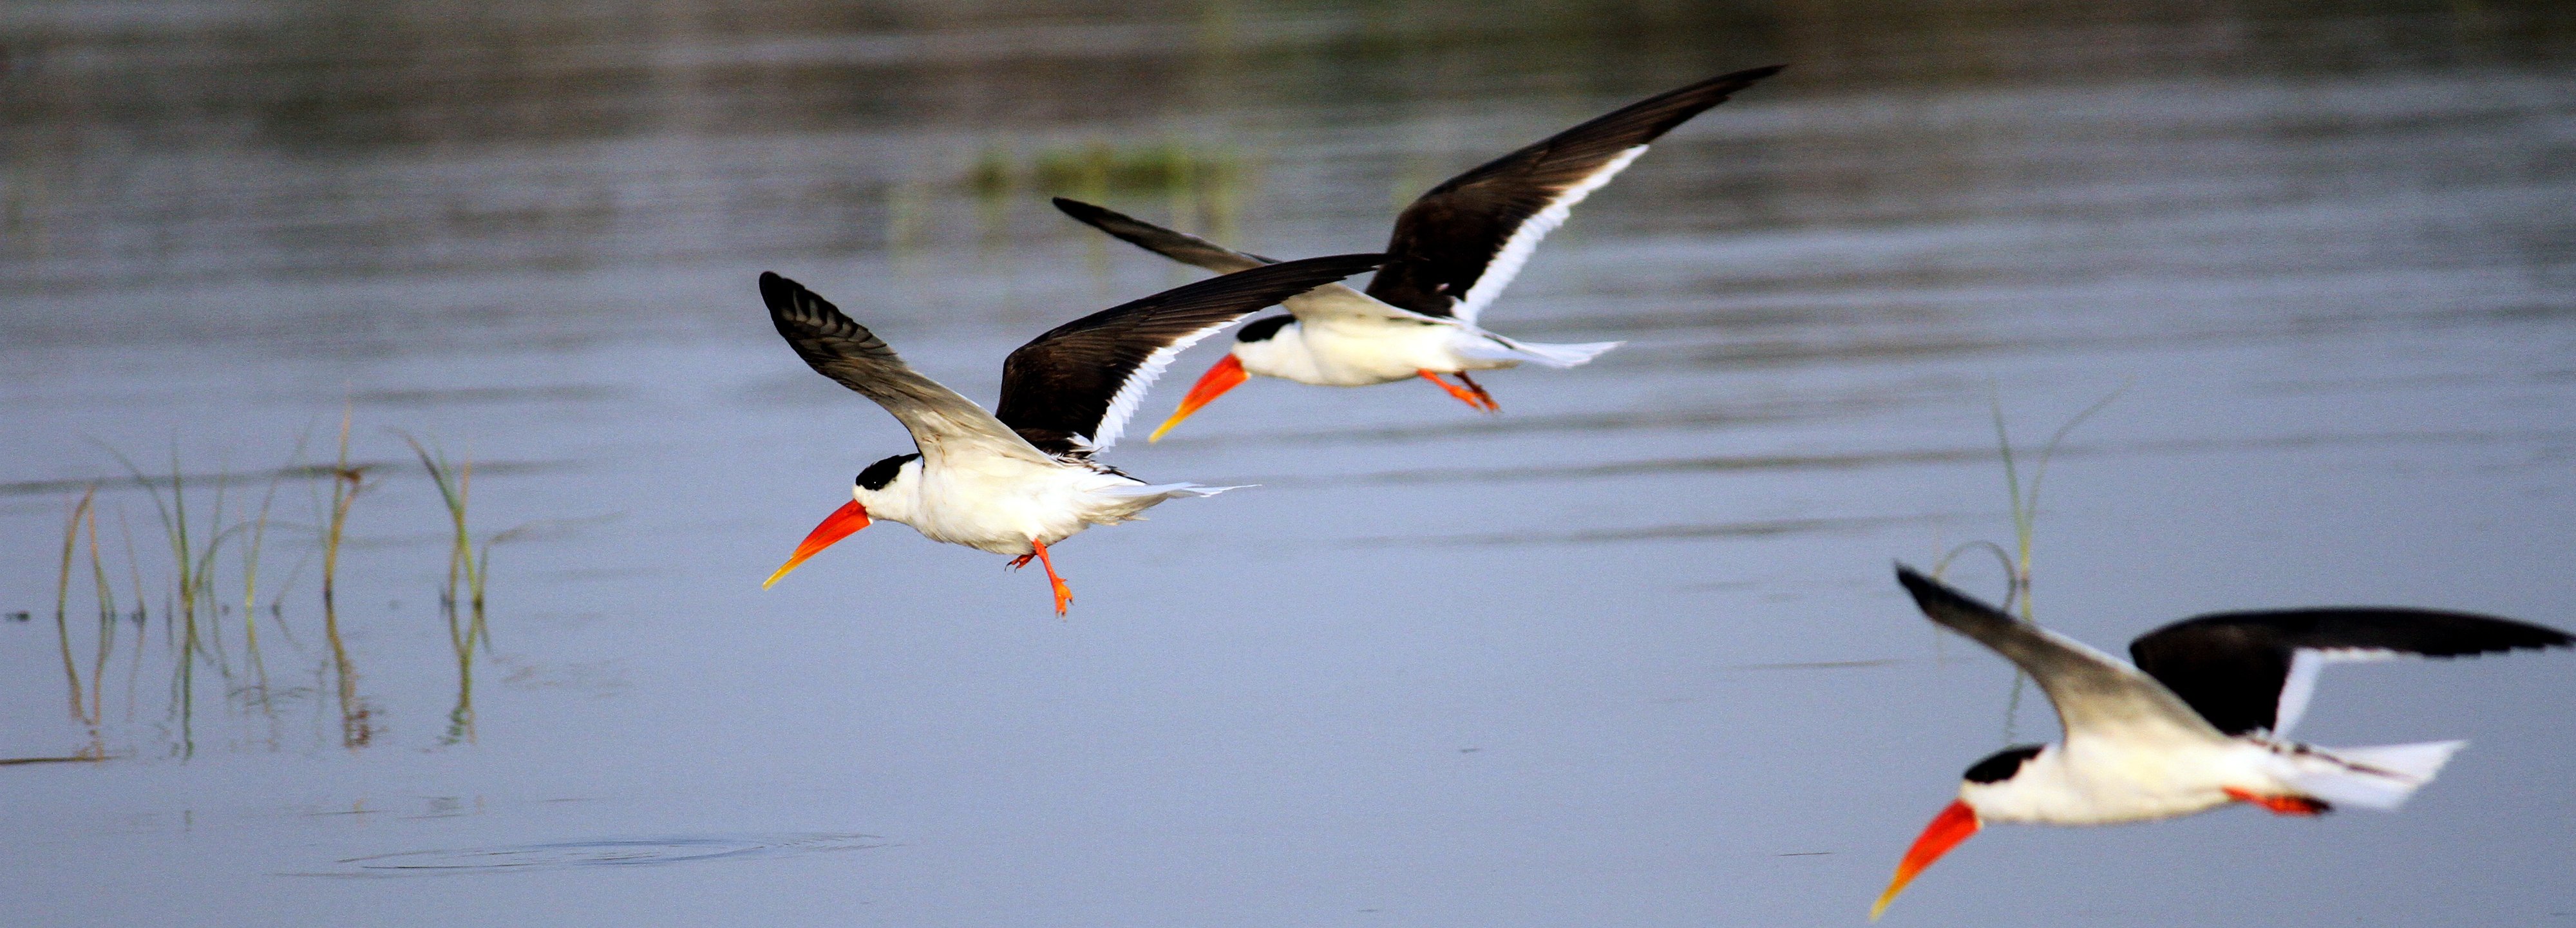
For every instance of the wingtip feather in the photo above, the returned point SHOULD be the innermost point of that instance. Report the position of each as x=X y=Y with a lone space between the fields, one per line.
x=775 y=290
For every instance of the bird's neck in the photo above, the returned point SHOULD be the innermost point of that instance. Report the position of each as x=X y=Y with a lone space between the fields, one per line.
x=2042 y=790
x=899 y=500
x=1284 y=354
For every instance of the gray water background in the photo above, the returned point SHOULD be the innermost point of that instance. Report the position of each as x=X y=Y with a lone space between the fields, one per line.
x=1628 y=653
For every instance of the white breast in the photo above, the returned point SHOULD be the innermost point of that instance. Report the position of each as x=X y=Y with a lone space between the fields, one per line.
x=2100 y=781
x=1357 y=351
x=999 y=504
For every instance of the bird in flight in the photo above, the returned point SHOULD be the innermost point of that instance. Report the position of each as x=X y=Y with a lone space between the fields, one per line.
x=2202 y=720
x=1022 y=477
x=1453 y=251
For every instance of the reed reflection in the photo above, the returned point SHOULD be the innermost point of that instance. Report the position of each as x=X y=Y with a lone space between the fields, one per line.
x=210 y=547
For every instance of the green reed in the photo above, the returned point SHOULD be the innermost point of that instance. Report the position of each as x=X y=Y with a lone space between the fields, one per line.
x=194 y=583
x=346 y=483
x=1203 y=186
x=197 y=526
x=465 y=564
x=63 y=596
x=2025 y=523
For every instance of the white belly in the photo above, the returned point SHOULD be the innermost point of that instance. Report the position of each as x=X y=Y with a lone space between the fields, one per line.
x=2099 y=782
x=1000 y=505
x=1345 y=352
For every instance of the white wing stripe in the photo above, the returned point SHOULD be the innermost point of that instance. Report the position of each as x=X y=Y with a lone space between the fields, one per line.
x=1131 y=392
x=2301 y=685
x=1507 y=263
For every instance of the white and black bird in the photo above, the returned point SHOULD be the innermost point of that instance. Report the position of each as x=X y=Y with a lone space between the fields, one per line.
x=2201 y=721
x=1454 y=250
x=1020 y=478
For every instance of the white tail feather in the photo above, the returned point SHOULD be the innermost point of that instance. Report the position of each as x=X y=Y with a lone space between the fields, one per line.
x=2376 y=777
x=1166 y=490
x=1499 y=348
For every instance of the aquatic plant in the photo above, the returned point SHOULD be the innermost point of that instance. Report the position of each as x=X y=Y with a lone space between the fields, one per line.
x=2025 y=523
x=196 y=531
x=194 y=583
x=1203 y=185
x=346 y=483
x=62 y=597
x=464 y=562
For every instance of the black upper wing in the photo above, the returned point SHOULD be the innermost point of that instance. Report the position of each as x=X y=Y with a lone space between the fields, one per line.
x=1072 y=389
x=1457 y=246
x=1178 y=246
x=2234 y=667
x=1329 y=301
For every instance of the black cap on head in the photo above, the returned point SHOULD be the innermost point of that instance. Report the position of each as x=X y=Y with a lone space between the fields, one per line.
x=882 y=472
x=2002 y=765
x=1263 y=329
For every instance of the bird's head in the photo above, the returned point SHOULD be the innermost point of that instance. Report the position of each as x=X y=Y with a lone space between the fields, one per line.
x=1985 y=782
x=1252 y=344
x=879 y=487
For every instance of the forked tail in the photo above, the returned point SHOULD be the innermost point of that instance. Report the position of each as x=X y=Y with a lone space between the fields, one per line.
x=1166 y=490
x=1498 y=348
x=2377 y=777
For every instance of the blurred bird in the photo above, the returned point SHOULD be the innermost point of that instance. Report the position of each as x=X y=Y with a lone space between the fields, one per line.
x=2201 y=721
x=1020 y=478
x=1454 y=250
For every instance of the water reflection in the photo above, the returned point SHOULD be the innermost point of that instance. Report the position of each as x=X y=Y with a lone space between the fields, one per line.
x=212 y=547
x=2327 y=240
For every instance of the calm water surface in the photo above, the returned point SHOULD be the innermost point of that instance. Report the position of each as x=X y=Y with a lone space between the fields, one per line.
x=1626 y=654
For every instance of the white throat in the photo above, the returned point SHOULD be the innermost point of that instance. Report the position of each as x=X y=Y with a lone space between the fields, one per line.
x=1284 y=355
x=899 y=500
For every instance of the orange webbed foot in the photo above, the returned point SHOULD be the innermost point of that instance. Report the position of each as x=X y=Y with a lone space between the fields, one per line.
x=1479 y=389
x=1063 y=593
x=2280 y=805
x=1475 y=397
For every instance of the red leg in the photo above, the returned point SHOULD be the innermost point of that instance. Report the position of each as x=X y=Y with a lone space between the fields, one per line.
x=1463 y=395
x=1490 y=405
x=2280 y=805
x=1063 y=594
x=1022 y=560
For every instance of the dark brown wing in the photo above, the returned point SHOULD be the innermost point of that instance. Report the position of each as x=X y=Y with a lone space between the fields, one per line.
x=939 y=419
x=1178 y=246
x=2248 y=671
x=1328 y=301
x=1072 y=389
x=1458 y=246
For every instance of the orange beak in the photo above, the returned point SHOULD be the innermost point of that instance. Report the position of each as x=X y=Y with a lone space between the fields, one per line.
x=849 y=518
x=1226 y=375
x=1952 y=826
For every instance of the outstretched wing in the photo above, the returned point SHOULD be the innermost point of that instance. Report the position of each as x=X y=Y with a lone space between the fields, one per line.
x=940 y=420
x=1458 y=246
x=2094 y=692
x=2250 y=671
x=1072 y=389
x=1333 y=299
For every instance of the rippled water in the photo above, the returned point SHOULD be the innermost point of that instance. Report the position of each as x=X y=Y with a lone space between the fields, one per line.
x=1628 y=653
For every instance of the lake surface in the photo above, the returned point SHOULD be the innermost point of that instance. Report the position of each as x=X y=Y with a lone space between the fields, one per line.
x=1628 y=653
